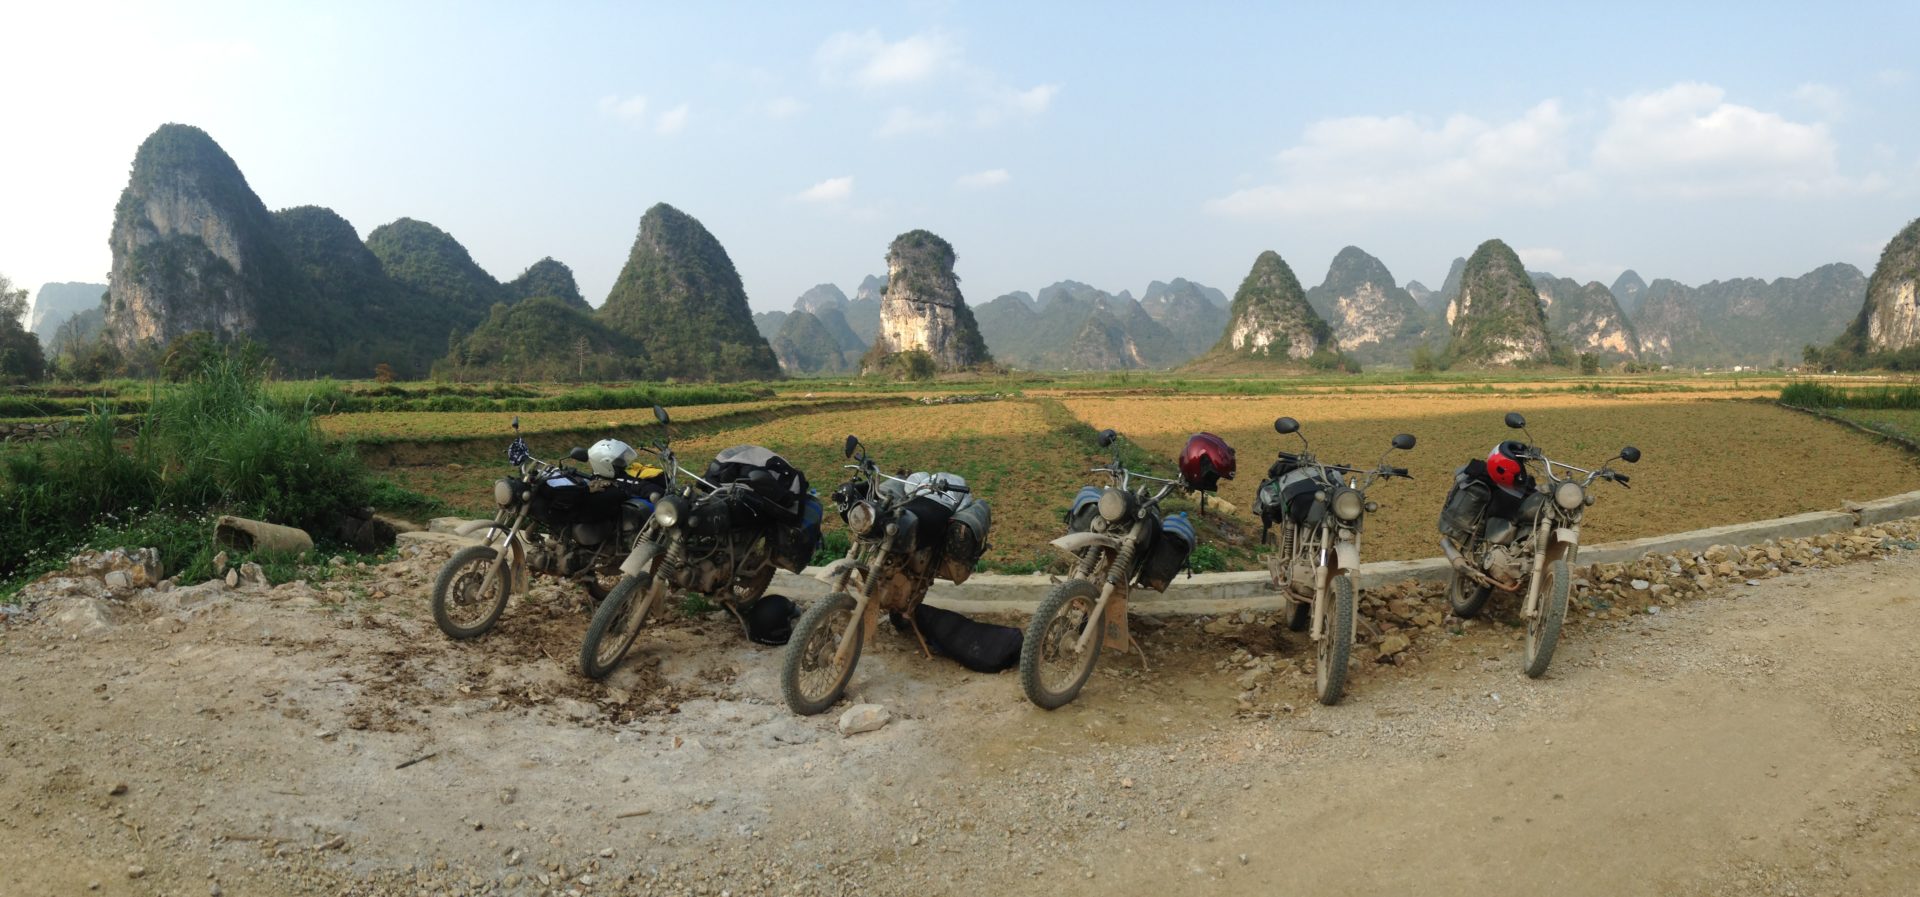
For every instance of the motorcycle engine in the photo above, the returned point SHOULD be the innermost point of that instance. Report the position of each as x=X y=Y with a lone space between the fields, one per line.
x=1505 y=564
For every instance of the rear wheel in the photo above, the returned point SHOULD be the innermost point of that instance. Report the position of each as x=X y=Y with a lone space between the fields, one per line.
x=1465 y=597
x=618 y=622
x=1336 y=645
x=810 y=679
x=1543 y=631
x=1052 y=669
x=460 y=608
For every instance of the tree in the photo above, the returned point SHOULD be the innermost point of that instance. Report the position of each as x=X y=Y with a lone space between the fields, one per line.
x=20 y=355
x=1589 y=363
x=383 y=372
x=1423 y=360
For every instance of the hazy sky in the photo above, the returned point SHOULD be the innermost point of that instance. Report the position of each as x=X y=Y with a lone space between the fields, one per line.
x=1106 y=142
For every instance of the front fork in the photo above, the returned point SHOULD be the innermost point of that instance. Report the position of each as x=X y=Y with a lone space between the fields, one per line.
x=514 y=545
x=1323 y=573
x=1557 y=547
x=866 y=613
x=1111 y=608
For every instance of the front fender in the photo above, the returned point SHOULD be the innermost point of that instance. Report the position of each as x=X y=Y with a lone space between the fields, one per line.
x=831 y=572
x=1075 y=543
x=640 y=560
x=1566 y=542
x=1346 y=557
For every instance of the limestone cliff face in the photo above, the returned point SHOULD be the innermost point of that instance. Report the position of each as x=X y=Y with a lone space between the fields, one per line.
x=1890 y=321
x=1627 y=290
x=1747 y=320
x=681 y=300
x=1372 y=318
x=1586 y=318
x=193 y=247
x=1271 y=318
x=923 y=309
x=1496 y=319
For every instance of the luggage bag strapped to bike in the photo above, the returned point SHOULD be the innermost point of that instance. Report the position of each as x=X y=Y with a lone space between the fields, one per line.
x=966 y=539
x=1168 y=554
x=566 y=498
x=1288 y=496
x=1466 y=504
x=795 y=544
x=769 y=476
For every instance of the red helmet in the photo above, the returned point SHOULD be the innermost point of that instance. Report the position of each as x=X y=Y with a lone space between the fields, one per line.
x=1206 y=460
x=1504 y=463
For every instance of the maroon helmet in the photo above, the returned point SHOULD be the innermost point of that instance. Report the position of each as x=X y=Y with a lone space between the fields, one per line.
x=1206 y=460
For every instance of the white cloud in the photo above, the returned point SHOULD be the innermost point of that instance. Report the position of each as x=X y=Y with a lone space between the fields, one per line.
x=673 y=120
x=783 y=107
x=868 y=59
x=1829 y=102
x=1542 y=258
x=982 y=180
x=828 y=191
x=902 y=121
x=1399 y=164
x=632 y=109
x=1687 y=141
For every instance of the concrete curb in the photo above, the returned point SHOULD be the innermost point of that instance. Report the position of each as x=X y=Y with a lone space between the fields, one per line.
x=1219 y=593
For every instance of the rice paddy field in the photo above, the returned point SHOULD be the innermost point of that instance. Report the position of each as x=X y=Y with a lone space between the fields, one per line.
x=1715 y=451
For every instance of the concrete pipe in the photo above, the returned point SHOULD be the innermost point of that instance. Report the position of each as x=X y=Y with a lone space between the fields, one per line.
x=245 y=535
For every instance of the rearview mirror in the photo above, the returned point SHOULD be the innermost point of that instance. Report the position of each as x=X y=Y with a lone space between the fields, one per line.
x=852 y=443
x=1286 y=425
x=1516 y=421
x=578 y=454
x=1403 y=441
x=1630 y=455
x=1107 y=437
x=660 y=414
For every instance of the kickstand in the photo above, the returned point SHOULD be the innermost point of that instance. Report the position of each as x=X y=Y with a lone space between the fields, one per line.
x=732 y=608
x=915 y=624
x=1144 y=666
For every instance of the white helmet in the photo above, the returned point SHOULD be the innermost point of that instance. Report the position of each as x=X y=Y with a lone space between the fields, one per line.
x=610 y=457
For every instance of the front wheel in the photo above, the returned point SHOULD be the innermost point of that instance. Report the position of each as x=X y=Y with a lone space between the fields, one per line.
x=1543 y=631
x=618 y=622
x=1336 y=644
x=1052 y=668
x=1465 y=597
x=811 y=679
x=460 y=608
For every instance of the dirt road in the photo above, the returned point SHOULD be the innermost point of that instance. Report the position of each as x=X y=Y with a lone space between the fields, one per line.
x=1762 y=741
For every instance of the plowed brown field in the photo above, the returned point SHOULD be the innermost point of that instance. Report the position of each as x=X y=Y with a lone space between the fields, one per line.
x=1707 y=462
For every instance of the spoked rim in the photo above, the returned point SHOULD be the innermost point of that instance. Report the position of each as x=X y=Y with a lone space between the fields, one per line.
x=1061 y=666
x=626 y=625
x=465 y=606
x=819 y=677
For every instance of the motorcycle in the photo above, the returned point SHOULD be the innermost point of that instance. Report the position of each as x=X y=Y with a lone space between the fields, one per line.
x=1119 y=539
x=721 y=536
x=550 y=520
x=1321 y=509
x=905 y=532
x=1532 y=549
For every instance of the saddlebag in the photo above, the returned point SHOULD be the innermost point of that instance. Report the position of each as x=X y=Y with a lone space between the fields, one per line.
x=794 y=545
x=565 y=498
x=1286 y=497
x=1466 y=505
x=1085 y=509
x=1168 y=553
x=966 y=540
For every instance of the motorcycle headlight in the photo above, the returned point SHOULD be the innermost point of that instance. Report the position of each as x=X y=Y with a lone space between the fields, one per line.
x=503 y=492
x=1115 y=505
x=1569 y=496
x=667 y=512
x=860 y=518
x=1348 y=504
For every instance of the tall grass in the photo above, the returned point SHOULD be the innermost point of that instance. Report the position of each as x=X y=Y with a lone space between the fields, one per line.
x=217 y=443
x=1808 y=394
